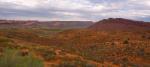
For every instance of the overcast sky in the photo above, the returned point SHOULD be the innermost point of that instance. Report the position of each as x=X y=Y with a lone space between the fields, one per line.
x=74 y=9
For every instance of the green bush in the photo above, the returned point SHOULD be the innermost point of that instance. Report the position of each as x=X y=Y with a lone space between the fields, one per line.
x=11 y=58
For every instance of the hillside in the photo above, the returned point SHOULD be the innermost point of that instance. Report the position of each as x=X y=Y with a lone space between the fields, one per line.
x=88 y=47
x=44 y=24
x=118 y=41
x=120 y=24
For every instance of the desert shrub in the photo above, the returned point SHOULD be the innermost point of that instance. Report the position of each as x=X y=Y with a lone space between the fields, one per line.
x=25 y=35
x=4 y=39
x=24 y=52
x=6 y=42
x=1 y=51
x=148 y=37
x=125 y=42
x=11 y=58
x=75 y=63
x=49 y=55
x=67 y=64
x=143 y=36
x=141 y=52
x=113 y=43
x=88 y=65
x=124 y=62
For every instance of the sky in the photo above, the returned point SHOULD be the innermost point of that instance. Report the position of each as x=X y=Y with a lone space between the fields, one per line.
x=93 y=10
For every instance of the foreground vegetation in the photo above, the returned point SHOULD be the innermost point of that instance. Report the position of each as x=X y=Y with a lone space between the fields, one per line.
x=12 y=58
x=74 y=48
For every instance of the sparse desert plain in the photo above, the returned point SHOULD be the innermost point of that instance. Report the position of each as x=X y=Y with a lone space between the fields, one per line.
x=113 y=42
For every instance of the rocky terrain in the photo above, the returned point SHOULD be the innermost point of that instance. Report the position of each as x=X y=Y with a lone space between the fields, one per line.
x=113 y=42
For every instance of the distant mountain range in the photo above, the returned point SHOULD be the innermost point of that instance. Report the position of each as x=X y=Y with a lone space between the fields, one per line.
x=120 y=24
x=105 y=24
x=44 y=24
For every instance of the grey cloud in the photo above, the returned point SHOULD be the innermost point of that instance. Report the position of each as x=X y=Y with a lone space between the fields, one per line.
x=110 y=8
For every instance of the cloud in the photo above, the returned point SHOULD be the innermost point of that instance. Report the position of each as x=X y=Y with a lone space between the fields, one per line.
x=74 y=9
